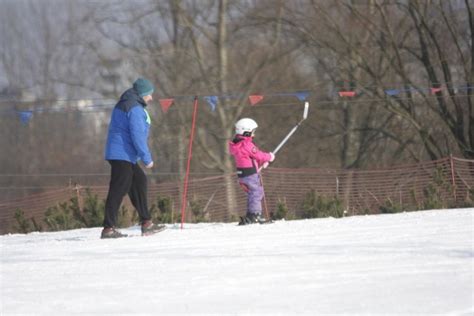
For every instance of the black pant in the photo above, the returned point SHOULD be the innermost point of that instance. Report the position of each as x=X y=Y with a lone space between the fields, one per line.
x=126 y=178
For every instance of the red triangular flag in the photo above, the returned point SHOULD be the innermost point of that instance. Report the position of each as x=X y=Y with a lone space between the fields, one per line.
x=254 y=99
x=165 y=104
x=435 y=90
x=347 y=93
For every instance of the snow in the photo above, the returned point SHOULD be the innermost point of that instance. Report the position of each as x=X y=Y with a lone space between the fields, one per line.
x=409 y=263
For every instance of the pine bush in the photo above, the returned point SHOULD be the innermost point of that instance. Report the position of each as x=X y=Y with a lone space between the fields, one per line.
x=316 y=206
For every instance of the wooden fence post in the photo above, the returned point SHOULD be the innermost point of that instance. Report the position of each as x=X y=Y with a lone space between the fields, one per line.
x=453 y=180
x=80 y=203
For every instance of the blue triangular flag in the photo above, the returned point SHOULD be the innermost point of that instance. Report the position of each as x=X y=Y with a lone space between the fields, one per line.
x=25 y=116
x=392 y=92
x=212 y=101
x=302 y=95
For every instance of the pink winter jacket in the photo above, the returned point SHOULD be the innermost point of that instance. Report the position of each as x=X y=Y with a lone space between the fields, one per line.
x=245 y=152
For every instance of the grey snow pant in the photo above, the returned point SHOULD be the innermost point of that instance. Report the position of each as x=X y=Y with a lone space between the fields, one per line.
x=253 y=186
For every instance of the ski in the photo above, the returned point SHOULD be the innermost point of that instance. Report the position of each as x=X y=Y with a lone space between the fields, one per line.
x=244 y=222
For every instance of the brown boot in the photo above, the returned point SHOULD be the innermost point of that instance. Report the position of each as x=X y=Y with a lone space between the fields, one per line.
x=149 y=228
x=110 y=232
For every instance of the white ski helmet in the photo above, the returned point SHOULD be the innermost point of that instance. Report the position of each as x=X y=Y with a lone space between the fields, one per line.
x=245 y=125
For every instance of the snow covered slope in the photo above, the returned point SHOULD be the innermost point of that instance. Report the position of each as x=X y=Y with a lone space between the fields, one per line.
x=410 y=263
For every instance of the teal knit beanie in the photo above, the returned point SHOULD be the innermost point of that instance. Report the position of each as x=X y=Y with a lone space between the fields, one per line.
x=143 y=87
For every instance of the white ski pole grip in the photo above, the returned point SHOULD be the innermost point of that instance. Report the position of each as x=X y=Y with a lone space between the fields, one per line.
x=293 y=130
x=305 y=112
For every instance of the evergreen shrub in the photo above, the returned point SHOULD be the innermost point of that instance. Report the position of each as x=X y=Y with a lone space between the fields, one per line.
x=316 y=206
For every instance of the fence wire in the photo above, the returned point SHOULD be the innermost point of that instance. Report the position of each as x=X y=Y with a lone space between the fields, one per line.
x=220 y=199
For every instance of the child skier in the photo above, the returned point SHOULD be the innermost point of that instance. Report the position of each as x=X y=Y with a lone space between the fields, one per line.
x=249 y=160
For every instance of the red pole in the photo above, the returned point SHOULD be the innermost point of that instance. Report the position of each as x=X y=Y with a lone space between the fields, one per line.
x=264 y=198
x=188 y=166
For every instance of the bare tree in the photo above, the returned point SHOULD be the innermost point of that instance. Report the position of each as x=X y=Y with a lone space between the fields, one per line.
x=203 y=50
x=410 y=45
x=39 y=62
x=231 y=49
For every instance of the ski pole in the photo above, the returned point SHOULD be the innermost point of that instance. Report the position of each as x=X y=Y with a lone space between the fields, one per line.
x=265 y=207
x=305 y=115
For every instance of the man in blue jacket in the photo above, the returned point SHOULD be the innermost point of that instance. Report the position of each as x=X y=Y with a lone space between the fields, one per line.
x=126 y=146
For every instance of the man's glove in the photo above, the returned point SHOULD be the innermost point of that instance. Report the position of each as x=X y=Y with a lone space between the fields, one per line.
x=150 y=165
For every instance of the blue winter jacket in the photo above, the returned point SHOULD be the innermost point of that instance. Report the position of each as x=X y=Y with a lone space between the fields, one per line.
x=128 y=130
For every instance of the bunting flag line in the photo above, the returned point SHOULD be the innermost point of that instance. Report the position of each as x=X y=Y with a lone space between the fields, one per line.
x=93 y=105
x=254 y=99
x=394 y=92
x=165 y=104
